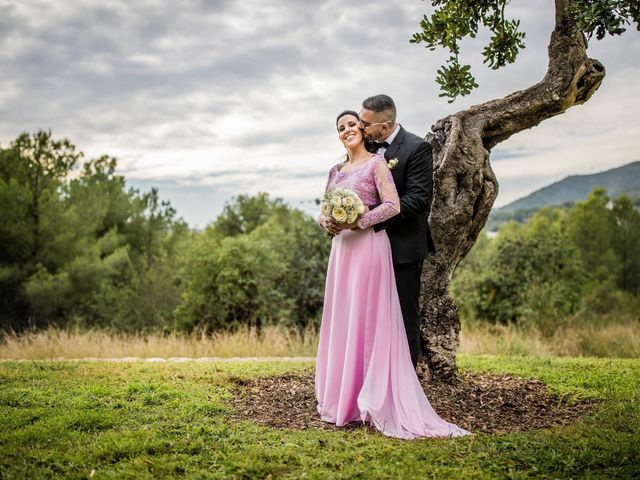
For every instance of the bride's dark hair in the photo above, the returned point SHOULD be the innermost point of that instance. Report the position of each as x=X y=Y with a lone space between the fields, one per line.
x=346 y=112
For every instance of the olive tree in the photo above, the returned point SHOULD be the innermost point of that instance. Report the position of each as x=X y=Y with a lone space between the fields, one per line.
x=465 y=185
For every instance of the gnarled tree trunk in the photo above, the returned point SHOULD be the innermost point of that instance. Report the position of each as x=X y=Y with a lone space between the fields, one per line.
x=465 y=186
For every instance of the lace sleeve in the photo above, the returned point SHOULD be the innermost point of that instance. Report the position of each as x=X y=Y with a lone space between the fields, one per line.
x=390 y=205
x=331 y=172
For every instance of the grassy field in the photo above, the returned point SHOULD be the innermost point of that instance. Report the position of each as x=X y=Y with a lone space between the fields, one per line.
x=620 y=339
x=140 y=420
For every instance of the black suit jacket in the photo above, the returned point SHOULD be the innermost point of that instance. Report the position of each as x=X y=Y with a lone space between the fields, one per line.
x=409 y=231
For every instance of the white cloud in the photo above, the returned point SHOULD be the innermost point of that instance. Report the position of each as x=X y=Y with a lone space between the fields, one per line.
x=229 y=97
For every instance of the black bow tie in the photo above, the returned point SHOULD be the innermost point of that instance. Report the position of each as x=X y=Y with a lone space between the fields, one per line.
x=373 y=147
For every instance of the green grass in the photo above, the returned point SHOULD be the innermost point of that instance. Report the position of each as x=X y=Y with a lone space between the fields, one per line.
x=137 y=420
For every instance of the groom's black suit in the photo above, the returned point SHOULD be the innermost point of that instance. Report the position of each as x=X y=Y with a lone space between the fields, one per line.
x=409 y=231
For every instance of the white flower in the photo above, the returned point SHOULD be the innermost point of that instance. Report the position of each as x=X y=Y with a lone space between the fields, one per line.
x=352 y=217
x=393 y=163
x=348 y=201
x=326 y=209
x=336 y=201
x=339 y=214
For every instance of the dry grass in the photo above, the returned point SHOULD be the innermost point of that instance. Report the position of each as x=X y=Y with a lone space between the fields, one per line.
x=620 y=340
x=54 y=343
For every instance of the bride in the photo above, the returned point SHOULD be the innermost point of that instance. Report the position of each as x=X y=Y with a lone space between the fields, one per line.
x=364 y=370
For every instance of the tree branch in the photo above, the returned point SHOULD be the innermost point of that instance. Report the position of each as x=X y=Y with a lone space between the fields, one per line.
x=465 y=186
x=570 y=80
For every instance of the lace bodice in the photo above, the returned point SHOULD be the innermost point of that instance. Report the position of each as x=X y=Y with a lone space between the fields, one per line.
x=374 y=184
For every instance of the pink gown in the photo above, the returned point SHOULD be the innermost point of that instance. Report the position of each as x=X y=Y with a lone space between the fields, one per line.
x=363 y=369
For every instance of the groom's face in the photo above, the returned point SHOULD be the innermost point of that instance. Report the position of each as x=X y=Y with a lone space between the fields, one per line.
x=374 y=125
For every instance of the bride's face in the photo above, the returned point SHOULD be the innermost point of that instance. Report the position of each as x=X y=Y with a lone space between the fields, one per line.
x=349 y=131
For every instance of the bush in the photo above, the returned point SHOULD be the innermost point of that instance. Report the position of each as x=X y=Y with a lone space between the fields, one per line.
x=526 y=268
x=266 y=271
x=563 y=265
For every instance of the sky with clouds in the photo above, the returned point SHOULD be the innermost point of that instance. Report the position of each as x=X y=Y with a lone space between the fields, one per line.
x=210 y=99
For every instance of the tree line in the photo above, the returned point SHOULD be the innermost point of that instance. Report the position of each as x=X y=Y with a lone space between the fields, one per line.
x=563 y=263
x=80 y=250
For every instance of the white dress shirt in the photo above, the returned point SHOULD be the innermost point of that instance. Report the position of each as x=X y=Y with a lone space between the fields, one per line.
x=389 y=139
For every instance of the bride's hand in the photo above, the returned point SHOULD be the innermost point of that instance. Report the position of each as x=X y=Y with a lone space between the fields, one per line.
x=354 y=225
x=330 y=226
x=350 y=226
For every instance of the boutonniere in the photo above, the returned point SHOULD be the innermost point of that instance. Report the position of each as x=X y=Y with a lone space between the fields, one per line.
x=393 y=163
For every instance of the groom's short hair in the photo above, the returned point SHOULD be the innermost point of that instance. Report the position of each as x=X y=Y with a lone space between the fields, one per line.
x=381 y=104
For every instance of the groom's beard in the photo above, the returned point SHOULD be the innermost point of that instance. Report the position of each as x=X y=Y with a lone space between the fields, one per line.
x=367 y=137
x=370 y=138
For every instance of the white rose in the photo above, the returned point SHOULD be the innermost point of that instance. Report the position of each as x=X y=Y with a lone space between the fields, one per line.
x=326 y=209
x=336 y=201
x=352 y=217
x=348 y=201
x=339 y=214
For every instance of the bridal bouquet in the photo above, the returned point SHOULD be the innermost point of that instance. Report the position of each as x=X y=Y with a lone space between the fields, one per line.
x=343 y=205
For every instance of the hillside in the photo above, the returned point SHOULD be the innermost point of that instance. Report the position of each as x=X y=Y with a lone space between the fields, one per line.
x=625 y=179
x=617 y=181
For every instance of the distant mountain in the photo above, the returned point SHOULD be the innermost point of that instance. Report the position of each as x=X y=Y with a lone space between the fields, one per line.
x=576 y=188
x=625 y=179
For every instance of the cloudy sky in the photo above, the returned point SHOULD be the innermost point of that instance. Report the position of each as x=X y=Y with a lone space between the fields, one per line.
x=209 y=99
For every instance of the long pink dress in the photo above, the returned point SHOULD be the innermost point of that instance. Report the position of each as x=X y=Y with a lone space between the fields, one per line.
x=364 y=370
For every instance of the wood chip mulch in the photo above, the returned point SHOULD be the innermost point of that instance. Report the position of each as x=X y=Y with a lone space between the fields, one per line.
x=478 y=402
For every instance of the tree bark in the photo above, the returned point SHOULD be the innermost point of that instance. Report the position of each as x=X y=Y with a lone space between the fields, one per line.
x=465 y=186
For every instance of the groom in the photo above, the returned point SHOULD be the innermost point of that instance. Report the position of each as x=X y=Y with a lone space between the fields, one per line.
x=409 y=158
